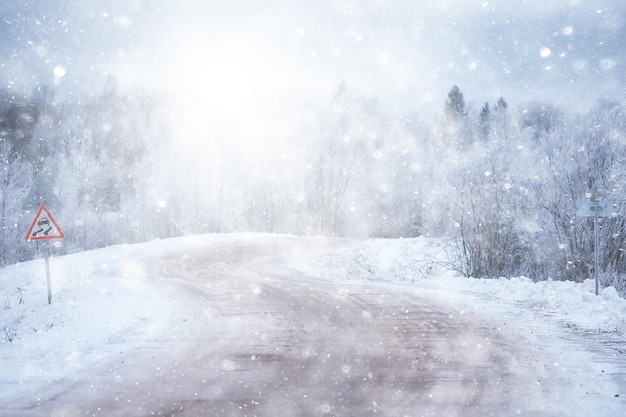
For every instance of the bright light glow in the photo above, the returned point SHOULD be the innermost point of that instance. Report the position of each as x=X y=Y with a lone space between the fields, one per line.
x=58 y=71
x=229 y=90
x=220 y=79
x=545 y=52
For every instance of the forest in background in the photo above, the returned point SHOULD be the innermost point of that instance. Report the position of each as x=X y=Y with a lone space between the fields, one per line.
x=498 y=186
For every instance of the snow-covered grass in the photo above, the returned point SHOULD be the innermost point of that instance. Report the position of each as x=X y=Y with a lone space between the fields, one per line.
x=104 y=303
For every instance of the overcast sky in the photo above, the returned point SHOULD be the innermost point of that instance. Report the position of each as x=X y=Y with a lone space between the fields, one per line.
x=246 y=54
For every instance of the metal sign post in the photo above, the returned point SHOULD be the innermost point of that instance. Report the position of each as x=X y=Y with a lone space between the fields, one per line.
x=45 y=227
x=597 y=205
x=48 y=282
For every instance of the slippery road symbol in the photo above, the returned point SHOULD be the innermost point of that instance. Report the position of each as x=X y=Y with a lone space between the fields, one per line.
x=44 y=221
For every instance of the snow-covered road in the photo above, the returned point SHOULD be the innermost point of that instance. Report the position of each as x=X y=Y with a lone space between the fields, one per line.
x=240 y=334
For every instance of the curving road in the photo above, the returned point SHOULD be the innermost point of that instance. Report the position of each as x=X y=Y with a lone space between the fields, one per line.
x=249 y=341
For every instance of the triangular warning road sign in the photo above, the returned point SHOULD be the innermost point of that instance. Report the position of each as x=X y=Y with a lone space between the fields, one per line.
x=41 y=193
x=44 y=226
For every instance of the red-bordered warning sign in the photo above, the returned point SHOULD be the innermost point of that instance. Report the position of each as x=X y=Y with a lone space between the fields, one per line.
x=44 y=226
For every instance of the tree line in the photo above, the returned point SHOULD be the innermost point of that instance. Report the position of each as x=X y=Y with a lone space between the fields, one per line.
x=498 y=186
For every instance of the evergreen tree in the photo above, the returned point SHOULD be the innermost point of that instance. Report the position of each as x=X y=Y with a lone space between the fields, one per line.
x=485 y=122
x=455 y=104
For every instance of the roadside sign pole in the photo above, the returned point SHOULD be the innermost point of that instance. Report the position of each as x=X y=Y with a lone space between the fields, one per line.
x=596 y=251
x=45 y=227
x=49 y=284
x=596 y=204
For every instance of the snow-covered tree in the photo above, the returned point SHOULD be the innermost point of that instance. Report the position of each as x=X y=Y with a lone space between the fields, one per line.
x=13 y=190
x=339 y=155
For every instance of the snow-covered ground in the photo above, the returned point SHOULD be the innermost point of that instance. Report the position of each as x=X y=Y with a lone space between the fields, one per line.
x=104 y=303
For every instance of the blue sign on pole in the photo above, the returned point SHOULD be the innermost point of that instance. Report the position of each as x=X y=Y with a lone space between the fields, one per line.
x=41 y=194
x=596 y=205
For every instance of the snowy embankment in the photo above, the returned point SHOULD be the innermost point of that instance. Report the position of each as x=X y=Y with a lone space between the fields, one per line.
x=104 y=303
x=419 y=263
x=561 y=329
